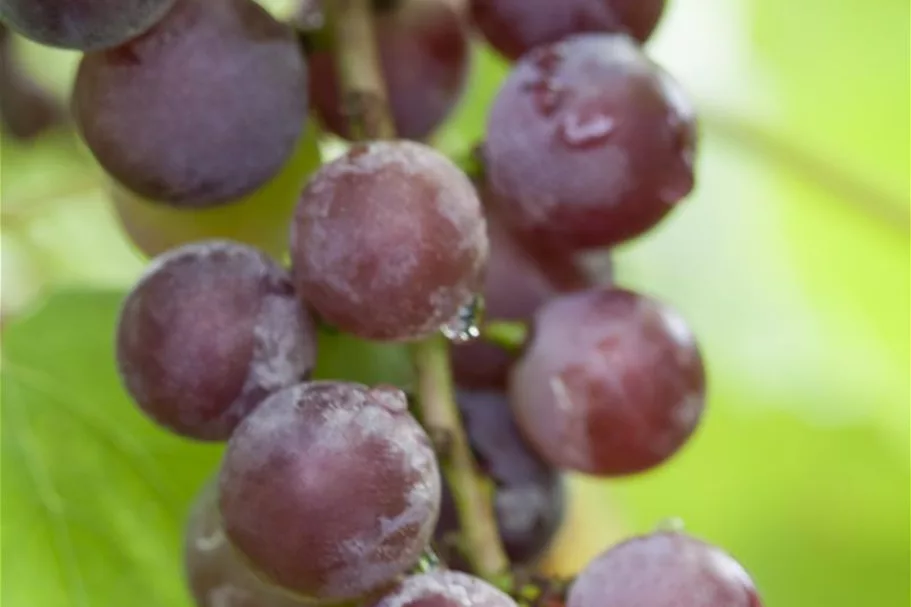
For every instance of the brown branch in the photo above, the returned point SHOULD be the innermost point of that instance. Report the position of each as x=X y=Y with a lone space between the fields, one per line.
x=369 y=117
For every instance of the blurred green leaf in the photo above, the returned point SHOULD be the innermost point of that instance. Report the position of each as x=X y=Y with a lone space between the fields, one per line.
x=94 y=495
x=344 y=357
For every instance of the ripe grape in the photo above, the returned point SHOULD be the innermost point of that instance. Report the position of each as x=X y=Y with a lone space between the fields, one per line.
x=216 y=574
x=388 y=241
x=210 y=330
x=611 y=383
x=204 y=108
x=445 y=589
x=664 y=570
x=424 y=52
x=529 y=499
x=260 y=219
x=86 y=25
x=517 y=281
x=26 y=110
x=588 y=143
x=514 y=27
x=330 y=489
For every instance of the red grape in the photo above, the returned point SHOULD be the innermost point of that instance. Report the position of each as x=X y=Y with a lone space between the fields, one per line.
x=514 y=27
x=588 y=143
x=204 y=108
x=611 y=383
x=210 y=330
x=445 y=589
x=330 y=489
x=216 y=574
x=517 y=281
x=529 y=498
x=388 y=241
x=664 y=570
x=425 y=55
x=85 y=25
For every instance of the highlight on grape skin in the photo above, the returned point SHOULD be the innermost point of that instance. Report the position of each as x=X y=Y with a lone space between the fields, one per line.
x=612 y=383
x=330 y=489
x=425 y=52
x=389 y=241
x=588 y=143
x=515 y=27
x=210 y=330
x=85 y=25
x=445 y=589
x=235 y=128
x=529 y=499
x=215 y=573
x=664 y=570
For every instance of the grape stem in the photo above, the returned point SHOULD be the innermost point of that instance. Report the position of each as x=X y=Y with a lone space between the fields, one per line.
x=367 y=102
x=364 y=92
x=509 y=335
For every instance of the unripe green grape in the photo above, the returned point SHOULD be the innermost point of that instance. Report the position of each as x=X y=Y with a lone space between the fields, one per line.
x=259 y=219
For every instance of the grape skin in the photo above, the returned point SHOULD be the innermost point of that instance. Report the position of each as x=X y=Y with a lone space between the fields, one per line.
x=611 y=383
x=664 y=570
x=210 y=330
x=239 y=82
x=259 y=219
x=529 y=498
x=588 y=143
x=216 y=575
x=388 y=241
x=330 y=489
x=424 y=52
x=514 y=27
x=516 y=283
x=86 y=25
x=445 y=589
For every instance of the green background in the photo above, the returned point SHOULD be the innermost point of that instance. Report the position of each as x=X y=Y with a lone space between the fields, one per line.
x=790 y=260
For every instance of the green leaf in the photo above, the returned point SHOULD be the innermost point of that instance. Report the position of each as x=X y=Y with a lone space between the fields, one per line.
x=344 y=357
x=94 y=494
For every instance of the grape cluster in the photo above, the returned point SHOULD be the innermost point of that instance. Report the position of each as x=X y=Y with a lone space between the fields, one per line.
x=331 y=492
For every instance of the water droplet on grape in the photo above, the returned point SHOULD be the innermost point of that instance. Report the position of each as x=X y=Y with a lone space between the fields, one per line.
x=547 y=94
x=581 y=129
x=465 y=325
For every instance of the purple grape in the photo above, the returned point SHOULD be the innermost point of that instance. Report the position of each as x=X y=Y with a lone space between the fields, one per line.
x=529 y=499
x=330 y=489
x=389 y=241
x=425 y=55
x=204 y=108
x=611 y=383
x=445 y=589
x=588 y=143
x=215 y=573
x=664 y=570
x=210 y=330
x=518 y=280
x=514 y=27
x=86 y=25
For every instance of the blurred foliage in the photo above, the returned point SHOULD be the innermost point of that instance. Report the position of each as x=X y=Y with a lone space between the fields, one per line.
x=791 y=261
